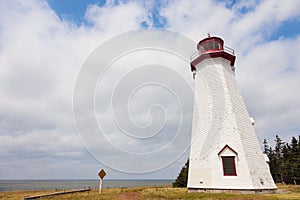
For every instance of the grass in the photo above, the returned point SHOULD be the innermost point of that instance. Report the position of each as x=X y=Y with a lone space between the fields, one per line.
x=158 y=193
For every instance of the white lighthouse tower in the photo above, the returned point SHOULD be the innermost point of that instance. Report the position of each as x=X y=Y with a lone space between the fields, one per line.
x=225 y=153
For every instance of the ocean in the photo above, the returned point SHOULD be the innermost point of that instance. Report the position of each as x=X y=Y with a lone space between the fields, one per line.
x=11 y=185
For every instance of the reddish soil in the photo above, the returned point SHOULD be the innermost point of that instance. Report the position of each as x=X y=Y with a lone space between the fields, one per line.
x=130 y=196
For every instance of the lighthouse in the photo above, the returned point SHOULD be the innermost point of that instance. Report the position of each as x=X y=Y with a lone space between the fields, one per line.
x=225 y=155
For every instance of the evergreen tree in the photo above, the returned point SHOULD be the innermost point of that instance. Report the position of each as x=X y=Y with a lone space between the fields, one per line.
x=272 y=163
x=284 y=160
x=279 y=159
x=286 y=164
x=298 y=163
x=181 y=180
x=295 y=161
x=297 y=174
x=266 y=147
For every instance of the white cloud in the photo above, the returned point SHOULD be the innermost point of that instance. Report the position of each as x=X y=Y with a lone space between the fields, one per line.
x=267 y=71
x=41 y=55
x=196 y=19
x=110 y=19
x=257 y=25
x=269 y=82
x=40 y=58
x=243 y=26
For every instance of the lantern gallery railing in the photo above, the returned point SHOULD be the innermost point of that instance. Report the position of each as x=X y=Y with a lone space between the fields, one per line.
x=199 y=53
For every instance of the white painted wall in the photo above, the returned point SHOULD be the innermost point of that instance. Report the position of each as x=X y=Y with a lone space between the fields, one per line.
x=220 y=117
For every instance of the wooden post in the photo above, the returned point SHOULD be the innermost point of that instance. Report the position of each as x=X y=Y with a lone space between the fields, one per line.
x=100 y=186
x=101 y=175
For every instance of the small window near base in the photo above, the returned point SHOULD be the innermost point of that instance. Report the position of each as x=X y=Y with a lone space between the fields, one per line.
x=228 y=165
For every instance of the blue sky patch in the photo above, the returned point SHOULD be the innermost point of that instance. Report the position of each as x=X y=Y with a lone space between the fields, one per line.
x=287 y=29
x=158 y=20
x=72 y=10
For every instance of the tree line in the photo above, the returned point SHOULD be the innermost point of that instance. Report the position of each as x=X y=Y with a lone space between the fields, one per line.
x=284 y=162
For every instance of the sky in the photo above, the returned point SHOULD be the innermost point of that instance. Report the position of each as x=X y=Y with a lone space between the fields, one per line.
x=137 y=123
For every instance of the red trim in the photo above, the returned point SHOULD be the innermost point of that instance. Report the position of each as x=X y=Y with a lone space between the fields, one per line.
x=227 y=146
x=216 y=54
x=233 y=157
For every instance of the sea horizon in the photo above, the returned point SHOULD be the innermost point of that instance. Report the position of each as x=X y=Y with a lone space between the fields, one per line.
x=70 y=184
x=88 y=179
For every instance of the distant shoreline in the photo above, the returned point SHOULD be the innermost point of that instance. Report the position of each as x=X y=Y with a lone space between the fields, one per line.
x=64 y=184
x=86 y=179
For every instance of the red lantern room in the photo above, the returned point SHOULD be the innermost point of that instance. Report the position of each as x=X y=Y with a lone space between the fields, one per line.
x=210 y=44
x=212 y=47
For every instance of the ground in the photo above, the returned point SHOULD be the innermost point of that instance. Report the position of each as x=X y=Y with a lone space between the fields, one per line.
x=148 y=193
x=130 y=196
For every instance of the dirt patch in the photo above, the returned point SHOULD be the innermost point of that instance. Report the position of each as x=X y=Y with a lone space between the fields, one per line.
x=130 y=196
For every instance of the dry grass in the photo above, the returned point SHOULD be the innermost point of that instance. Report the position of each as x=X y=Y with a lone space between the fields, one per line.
x=181 y=193
x=158 y=193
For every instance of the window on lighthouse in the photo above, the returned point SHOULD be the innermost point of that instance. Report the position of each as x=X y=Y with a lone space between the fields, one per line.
x=210 y=46
x=228 y=165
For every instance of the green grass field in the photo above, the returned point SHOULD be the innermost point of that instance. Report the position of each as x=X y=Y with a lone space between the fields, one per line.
x=292 y=192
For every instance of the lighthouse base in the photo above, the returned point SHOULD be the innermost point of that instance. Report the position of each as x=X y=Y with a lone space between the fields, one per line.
x=237 y=191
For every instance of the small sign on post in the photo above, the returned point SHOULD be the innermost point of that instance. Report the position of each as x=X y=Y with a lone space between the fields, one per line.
x=101 y=174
